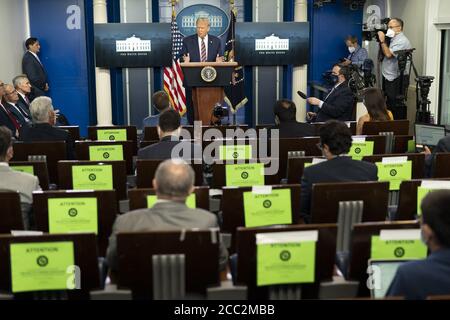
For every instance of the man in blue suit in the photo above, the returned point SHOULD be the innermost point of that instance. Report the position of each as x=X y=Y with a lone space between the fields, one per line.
x=430 y=277
x=34 y=69
x=200 y=47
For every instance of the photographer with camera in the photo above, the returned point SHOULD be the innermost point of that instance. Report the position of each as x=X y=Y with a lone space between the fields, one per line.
x=357 y=54
x=393 y=86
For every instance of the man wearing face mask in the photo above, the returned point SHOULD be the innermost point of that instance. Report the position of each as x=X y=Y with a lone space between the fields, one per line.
x=357 y=54
x=429 y=277
x=339 y=102
x=389 y=68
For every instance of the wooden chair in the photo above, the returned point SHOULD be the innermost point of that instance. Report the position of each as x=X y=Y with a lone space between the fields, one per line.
x=11 y=213
x=441 y=165
x=326 y=197
x=418 y=162
x=398 y=127
x=74 y=131
x=39 y=170
x=139 y=256
x=85 y=257
x=53 y=151
x=246 y=254
x=138 y=197
x=107 y=211
x=82 y=149
x=145 y=172
x=360 y=248
x=118 y=174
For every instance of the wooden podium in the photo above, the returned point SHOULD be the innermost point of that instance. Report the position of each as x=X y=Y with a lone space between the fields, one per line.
x=207 y=80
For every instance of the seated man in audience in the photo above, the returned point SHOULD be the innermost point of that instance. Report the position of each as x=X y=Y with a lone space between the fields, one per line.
x=161 y=102
x=442 y=147
x=11 y=180
x=285 y=117
x=23 y=87
x=173 y=183
x=11 y=100
x=7 y=119
x=335 y=143
x=340 y=101
x=431 y=276
x=42 y=129
x=170 y=146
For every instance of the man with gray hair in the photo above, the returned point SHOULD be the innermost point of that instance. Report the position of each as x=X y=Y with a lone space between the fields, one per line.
x=23 y=87
x=173 y=183
x=11 y=103
x=42 y=129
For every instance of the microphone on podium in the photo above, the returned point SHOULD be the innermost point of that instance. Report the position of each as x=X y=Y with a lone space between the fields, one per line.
x=302 y=95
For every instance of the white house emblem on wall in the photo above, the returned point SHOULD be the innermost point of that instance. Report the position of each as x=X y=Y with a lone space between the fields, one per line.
x=133 y=44
x=272 y=42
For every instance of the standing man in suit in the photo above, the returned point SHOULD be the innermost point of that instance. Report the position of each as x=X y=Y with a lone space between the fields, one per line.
x=7 y=119
x=285 y=118
x=34 y=69
x=11 y=180
x=200 y=47
x=42 y=128
x=335 y=143
x=170 y=146
x=173 y=183
x=422 y=278
x=11 y=102
x=23 y=87
x=339 y=103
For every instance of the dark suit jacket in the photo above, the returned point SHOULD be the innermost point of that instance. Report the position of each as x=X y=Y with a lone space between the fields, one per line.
x=21 y=118
x=46 y=132
x=24 y=105
x=294 y=129
x=339 y=169
x=422 y=278
x=190 y=45
x=6 y=121
x=442 y=146
x=35 y=73
x=338 y=105
x=163 y=150
x=168 y=215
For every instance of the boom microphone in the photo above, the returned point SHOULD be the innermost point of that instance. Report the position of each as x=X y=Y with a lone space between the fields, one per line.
x=302 y=95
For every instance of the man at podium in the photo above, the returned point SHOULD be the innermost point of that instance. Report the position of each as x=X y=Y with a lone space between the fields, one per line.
x=202 y=47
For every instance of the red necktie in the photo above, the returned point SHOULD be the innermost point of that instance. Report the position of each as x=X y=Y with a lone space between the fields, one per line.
x=11 y=117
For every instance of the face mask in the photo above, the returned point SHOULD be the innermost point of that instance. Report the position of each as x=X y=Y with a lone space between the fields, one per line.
x=390 y=33
x=351 y=49
x=334 y=78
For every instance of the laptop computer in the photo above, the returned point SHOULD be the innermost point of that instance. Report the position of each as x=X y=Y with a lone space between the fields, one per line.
x=428 y=135
x=383 y=272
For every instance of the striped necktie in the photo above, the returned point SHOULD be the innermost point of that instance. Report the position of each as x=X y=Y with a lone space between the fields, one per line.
x=11 y=117
x=203 y=53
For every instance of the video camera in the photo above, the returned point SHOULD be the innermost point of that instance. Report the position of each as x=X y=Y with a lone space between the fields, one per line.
x=370 y=32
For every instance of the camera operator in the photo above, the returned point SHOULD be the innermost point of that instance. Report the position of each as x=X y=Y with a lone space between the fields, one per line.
x=357 y=54
x=390 y=68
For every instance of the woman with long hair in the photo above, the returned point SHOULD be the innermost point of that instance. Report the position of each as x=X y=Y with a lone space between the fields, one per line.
x=376 y=109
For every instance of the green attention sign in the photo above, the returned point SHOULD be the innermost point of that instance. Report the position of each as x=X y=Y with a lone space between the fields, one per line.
x=267 y=209
x=26 y=169
x=112 y=134
x=41 y=265
x=361 y=149
x=95 y=177
x=397 y=249
x=285 y=263
x=106 y=153
x=244 y=175
x=395 y=173
x=235 y=152
x=411 y=146
x=190 y=201
x=68 y=215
